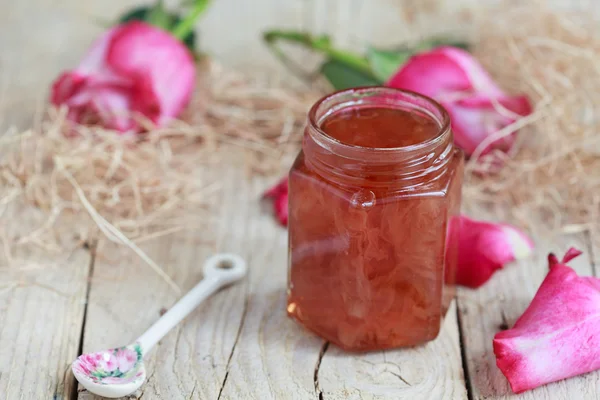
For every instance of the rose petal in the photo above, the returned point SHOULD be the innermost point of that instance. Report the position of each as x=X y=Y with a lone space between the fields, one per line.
x=432 y=74
x=481 y=81
x=484 y=248
x=112 y=105
x=558 y=336
x=93 y=68
x=279 y=196
x=569 y=255
x=475 y=118
x=162 y=66
x=66 y=86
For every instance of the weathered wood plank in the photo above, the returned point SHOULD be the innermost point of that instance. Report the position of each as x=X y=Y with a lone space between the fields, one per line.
x=127 y=297
x=497 y=305
x=432 y=371
x=274 y=358
x=195 y=360
x=42 y=306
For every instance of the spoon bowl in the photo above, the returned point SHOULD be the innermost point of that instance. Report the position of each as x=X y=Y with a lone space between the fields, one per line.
x=113 y=372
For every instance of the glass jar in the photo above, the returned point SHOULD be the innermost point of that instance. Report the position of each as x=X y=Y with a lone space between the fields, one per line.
x=371 y=265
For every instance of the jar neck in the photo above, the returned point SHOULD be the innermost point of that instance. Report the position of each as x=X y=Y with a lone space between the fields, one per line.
x=401 y=167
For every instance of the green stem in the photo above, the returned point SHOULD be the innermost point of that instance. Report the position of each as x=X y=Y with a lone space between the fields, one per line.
x=320 y=44
x=182 y=29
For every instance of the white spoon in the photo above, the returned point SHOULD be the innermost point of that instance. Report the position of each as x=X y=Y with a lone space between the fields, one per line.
x=119 y=372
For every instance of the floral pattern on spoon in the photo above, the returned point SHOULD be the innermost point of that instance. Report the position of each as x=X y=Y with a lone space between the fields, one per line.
x=118 y=365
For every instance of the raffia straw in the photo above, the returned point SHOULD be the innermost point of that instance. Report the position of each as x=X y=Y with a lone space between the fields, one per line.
x=110 y=231
x=132 y=189
x=554 y=57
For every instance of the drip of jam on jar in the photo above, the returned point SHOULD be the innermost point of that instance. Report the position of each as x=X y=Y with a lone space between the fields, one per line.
x=371 y=266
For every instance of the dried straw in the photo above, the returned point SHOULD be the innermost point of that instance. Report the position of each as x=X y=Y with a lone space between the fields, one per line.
x=132 y=188
x=552 y=175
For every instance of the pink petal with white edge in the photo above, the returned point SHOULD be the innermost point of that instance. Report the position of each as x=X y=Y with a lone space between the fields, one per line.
x=94 y=63
x=485 y=247
x=112 y=106
x=558 y=336
x=279 y=197
x=477 y=107
x=164 y=67
x=476 y=118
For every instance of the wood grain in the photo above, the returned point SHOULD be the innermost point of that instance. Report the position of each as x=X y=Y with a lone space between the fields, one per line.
x=42 y=304
x=127 y=297
x=497 y=305
x=197 y=360
x=432 y=371
x=274 y=358
x=239 y=344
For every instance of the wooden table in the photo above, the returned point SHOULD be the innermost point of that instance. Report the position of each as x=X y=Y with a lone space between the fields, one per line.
x=240 y=344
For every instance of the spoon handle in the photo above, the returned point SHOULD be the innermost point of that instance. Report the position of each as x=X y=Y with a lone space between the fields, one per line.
x=219 y=270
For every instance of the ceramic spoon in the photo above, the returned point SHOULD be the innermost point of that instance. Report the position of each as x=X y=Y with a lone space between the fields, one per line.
x=120 y=371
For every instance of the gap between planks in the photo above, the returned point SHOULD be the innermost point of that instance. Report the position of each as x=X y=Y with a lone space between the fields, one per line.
x=91 y=248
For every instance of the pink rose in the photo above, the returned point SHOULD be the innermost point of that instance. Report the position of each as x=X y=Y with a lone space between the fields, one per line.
x=460 y=84
x=132 y=68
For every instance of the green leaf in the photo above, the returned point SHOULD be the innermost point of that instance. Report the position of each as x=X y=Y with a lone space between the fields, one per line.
x=136 y=14
x=167 y=21
x=341 y=76
x=158 y=16
x=385 y=63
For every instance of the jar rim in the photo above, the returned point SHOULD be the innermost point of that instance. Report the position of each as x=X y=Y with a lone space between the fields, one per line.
x=443 y=120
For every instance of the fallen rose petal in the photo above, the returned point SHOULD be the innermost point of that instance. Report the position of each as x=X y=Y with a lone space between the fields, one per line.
x=279 y=196
x=484 y=248
x=558 y=336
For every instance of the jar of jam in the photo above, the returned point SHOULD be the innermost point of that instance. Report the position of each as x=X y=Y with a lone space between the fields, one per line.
x=371 y=265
